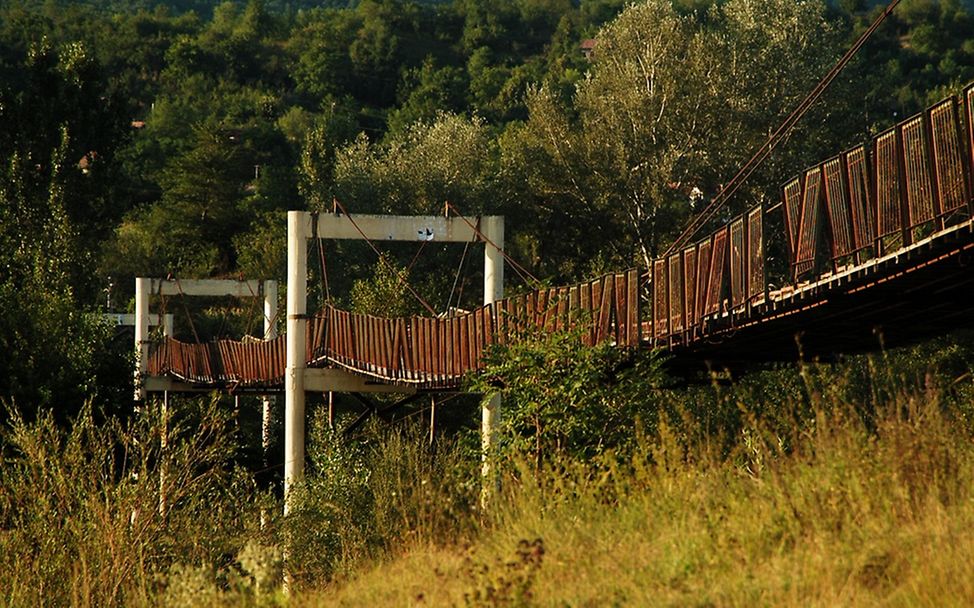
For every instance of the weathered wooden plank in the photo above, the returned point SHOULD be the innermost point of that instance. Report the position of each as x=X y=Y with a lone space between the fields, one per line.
x=619 y=310
x=690 y=286
x=605 y=308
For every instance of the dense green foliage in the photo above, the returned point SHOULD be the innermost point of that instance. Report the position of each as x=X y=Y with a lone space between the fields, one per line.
x=171 y=138
x=565 y=401
x=169 y=141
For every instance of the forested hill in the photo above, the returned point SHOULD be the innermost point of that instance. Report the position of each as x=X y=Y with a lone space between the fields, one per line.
x=205 y=8
x=144 y=140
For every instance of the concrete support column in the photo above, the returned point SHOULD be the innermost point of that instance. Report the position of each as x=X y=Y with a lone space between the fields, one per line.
x=297 y=329
x=164 y=455
x=492 y=227
x=267 y=402
x=493 y=230
x=143 y=287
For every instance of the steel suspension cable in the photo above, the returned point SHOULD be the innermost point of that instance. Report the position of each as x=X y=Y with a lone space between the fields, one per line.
x=514 y=264
x=182 y=300
x=456 y=279
x=382 y=259
x=762 y=153
x=321 y=257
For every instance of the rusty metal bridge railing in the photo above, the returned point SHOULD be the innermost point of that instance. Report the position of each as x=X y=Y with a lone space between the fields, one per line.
x=908 y=184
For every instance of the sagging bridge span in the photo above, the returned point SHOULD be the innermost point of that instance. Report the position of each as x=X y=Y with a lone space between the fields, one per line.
x=879 y=239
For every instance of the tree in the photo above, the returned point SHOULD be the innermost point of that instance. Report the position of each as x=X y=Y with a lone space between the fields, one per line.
x=674 y=102
x=428 y=91
x=451 y=158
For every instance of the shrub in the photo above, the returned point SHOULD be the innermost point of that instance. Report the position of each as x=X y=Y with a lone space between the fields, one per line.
x=367 y=496
x=565 y=399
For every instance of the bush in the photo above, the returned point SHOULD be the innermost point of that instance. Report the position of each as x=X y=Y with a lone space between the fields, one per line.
x=370 y=496
x=565 y=399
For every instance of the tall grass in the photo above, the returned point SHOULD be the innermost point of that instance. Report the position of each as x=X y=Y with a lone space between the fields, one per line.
x=817 y=485
x=364 y=499
x=80 y=516
x=855 y=488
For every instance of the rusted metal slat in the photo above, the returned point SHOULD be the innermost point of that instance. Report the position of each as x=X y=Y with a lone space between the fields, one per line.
x=620 y=315
x=948 y=156
x=861 y=197
x=969 y=156
x=808 y=232
x=442 y=350
x=632 y=308
x=839 y=210
x=595 y=293
x=793 y=212
x=888 y=186
x=690 y=286
x=418 y=341
x=428 y=346
x=585 y=308
x=605 y=308
x=718 y=261
x=737 y=270
x=541 y=309
x=675 y=293
x=661 y=308
x=473 y=348
x=478 y=336
x=455 y=347
x=704 y=249
x=755 y=253
x=561 y=310
x=920 y=195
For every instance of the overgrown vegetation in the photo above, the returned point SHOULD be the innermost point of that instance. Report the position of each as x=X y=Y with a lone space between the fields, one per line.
x=826 y=485
x=164 y=141
x=99 y=514
x=848 y=483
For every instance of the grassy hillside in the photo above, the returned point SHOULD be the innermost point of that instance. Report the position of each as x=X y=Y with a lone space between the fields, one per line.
x=843 y=485
x=852 y=514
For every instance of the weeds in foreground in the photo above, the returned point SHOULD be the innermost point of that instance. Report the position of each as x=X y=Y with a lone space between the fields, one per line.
x=836 y=492
x=364 y=498
x=81 y=517
x=820 y=485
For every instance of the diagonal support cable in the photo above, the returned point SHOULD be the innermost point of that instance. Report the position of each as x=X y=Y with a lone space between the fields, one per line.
x=514 y=264
x=402 y=279
x=762 y=153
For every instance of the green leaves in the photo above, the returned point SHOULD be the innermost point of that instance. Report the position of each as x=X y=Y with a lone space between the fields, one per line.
x=448 y=159
x=564 y=399
x=674 y=102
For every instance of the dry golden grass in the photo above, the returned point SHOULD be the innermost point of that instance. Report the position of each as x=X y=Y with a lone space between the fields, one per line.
x=847 y=516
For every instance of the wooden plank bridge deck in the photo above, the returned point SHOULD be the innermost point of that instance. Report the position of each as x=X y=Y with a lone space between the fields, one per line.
x=880 y=242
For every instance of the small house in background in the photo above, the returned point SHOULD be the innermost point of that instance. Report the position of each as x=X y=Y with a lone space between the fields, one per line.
x=587 y=47
x=86 y=161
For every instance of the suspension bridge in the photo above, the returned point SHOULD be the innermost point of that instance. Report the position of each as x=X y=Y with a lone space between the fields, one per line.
x=878 y=241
